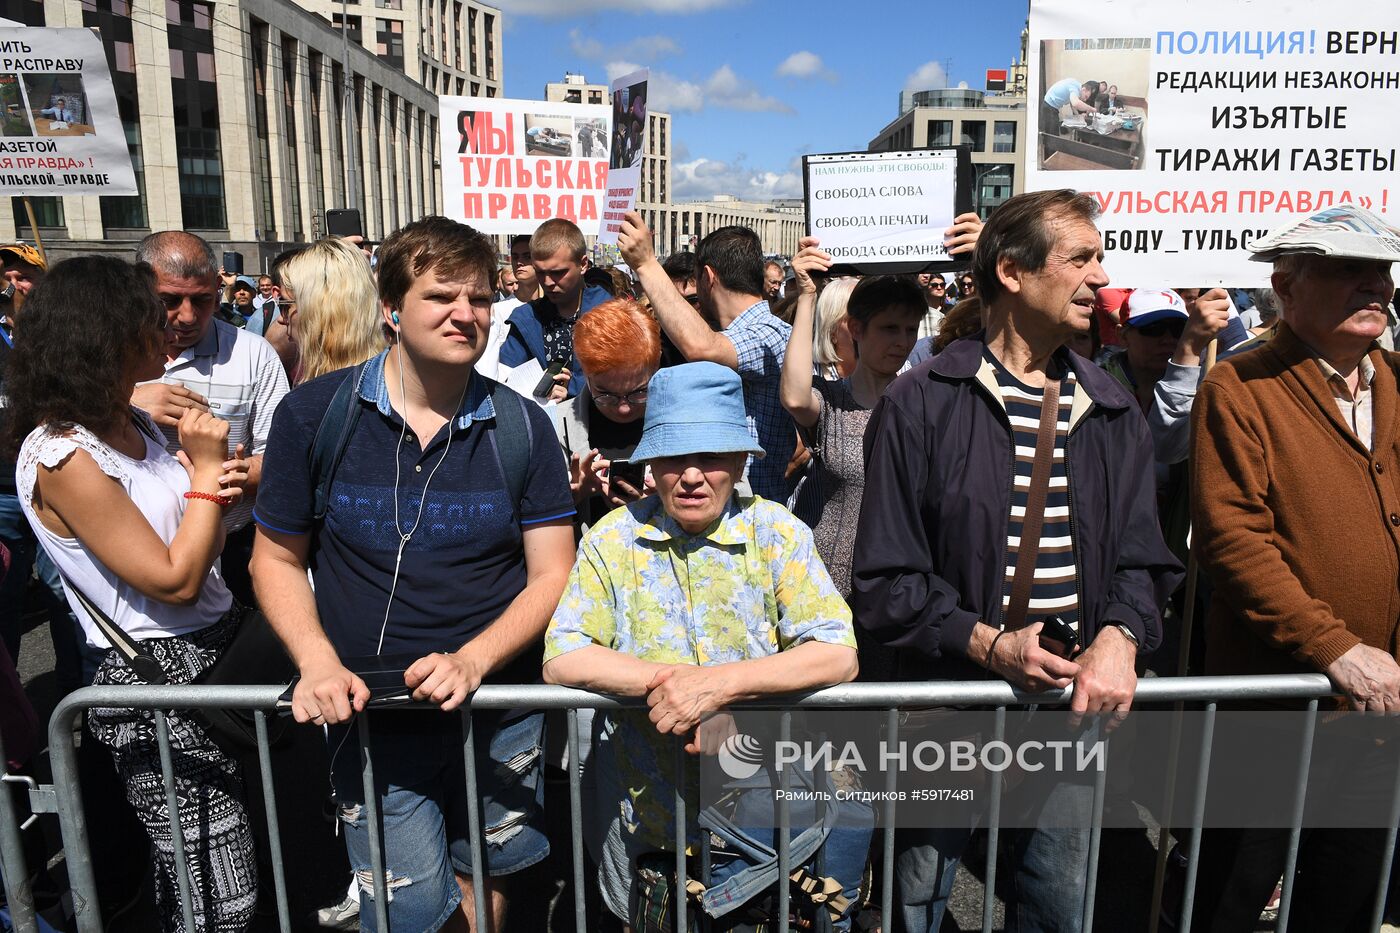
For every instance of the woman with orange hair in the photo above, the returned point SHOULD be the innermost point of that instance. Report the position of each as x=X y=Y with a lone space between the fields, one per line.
x=618 y=345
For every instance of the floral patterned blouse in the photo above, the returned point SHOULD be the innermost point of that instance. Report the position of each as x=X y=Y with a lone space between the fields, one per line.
x=749 y=586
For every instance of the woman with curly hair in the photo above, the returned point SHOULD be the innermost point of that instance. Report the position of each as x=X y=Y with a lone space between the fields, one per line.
x=334 y=307
x=138 y=533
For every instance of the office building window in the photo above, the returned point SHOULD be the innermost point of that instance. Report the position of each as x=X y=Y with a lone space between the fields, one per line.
x=994 y=185
x=314 y=66
x=388 y=41
x=289 y=130
x=974 y=134
x=267 y=216
x=940 y=133
x=199 y=157
x=112 y=20
x=352 y=26
x=489 y=22
x=1004 y=136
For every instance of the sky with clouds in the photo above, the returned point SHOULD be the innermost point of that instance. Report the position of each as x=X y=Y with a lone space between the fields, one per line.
x=752 y=85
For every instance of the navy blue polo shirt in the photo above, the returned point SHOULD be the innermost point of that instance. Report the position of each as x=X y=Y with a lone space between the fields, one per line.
x=463 y=565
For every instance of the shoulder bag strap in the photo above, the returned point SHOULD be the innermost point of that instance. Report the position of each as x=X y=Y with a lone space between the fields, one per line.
x=512 y=435
x=1029 y=550
x=332 y=437
x=141 y=661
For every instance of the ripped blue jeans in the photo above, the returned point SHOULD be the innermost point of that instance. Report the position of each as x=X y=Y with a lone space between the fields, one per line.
x=421 y=782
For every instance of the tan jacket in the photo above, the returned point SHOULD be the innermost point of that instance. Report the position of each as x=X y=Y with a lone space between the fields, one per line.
x=1295 y=523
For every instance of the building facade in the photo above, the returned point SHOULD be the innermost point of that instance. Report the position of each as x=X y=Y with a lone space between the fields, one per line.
x=235 y=119
x=779 y=226
x=991 y=125
x=451 y=47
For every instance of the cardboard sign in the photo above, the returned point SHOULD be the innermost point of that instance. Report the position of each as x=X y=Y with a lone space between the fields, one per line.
x=629 y=105
x=510 y=165
x=59 y=128
x=1212 y=124
x=886 y=211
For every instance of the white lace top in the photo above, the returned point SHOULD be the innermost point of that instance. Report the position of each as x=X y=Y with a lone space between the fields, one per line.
x=157 y=484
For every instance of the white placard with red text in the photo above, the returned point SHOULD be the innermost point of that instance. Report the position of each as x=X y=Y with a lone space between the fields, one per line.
x=510 y=165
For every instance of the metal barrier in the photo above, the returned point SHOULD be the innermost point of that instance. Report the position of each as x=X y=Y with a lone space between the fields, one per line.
x=13 y=866
x=891 y=697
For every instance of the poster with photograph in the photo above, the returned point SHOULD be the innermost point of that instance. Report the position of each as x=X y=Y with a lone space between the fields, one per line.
x=510 y=165
x=1198 y=129
x=59 y=128
x=629 y=112
x=886 y=211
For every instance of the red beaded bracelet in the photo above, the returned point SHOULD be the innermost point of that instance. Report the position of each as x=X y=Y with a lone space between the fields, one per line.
x=210 y=497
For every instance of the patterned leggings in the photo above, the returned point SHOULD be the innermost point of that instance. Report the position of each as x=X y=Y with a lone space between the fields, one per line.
x=218 y=842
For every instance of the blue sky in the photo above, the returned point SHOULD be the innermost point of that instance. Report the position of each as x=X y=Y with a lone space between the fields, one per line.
x=752 y=85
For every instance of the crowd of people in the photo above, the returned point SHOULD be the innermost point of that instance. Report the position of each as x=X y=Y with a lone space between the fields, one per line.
x=692 y=500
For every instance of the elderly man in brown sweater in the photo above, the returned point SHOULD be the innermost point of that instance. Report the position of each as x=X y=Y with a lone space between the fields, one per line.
x=1296 y=511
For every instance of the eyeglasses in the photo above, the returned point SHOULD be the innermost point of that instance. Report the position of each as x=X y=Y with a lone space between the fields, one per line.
x=938 y=285
x=613 y=400
x=1162 y=328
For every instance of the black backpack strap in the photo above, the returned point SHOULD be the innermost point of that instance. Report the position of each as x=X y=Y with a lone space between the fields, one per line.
x=332 y=437
x=513 y=440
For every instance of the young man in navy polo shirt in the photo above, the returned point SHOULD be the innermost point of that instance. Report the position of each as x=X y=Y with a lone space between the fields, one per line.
x=423 y=560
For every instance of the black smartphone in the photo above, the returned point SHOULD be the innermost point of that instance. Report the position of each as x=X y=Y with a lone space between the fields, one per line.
x=344 y=221
x=382 y=674
x=1056 y=629
x=633 y=474
x=547 y=380
x=233 y=263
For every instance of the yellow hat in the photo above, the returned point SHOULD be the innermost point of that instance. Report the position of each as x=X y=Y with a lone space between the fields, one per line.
x=26 y=254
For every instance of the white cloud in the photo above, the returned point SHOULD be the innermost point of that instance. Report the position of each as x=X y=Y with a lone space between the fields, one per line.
x=643 y=48
x=726 y=90
x=700 y=179
x=561 y=8
x=928 y=76
x=805 y=64
x=723 y=90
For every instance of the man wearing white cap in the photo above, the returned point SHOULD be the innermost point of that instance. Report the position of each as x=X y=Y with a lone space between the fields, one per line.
x=1296 y=516
x=1155 y=320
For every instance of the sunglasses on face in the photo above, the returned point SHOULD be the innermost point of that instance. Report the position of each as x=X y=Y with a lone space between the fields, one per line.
x=1162 y=328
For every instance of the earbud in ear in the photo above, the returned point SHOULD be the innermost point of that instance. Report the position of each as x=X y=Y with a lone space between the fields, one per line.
x=394 y=316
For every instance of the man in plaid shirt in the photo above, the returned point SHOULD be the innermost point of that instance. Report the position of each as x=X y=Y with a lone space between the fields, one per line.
x=745 y=335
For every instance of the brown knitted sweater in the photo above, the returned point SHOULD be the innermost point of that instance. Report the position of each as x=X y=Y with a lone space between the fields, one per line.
x=1295 y=523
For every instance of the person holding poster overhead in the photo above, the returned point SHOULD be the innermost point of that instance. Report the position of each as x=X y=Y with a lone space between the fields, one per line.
x=883 y=314
x=729 y=282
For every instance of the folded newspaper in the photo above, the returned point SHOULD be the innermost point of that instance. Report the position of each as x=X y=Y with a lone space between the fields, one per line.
x=1344 y=231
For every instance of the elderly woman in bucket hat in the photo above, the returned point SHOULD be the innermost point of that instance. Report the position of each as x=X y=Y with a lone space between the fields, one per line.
x=694 y=598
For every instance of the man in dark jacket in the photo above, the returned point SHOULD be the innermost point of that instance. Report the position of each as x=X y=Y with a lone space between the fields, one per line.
x=949 y=454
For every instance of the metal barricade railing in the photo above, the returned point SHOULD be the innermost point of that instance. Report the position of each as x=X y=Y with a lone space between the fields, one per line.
x=891 y=697
x=18 y=896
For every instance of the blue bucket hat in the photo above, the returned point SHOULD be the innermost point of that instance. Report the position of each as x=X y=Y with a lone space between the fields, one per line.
x=695 y=408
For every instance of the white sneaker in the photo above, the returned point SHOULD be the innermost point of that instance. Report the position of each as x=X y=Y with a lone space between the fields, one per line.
x=343 y=916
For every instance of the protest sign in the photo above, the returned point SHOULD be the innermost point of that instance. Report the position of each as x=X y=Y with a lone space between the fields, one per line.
x=1211 y=124
x=886 y=211
x=59 y=128
x=510 y=165
x=629 y=103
